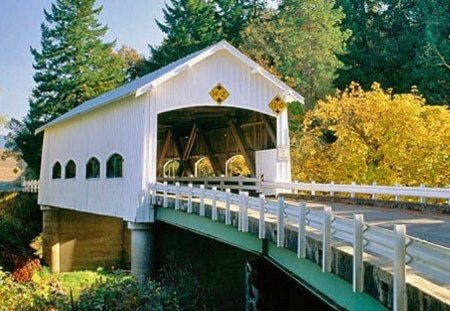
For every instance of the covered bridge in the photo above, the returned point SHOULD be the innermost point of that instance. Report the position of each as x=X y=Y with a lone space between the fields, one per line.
x=216 y=103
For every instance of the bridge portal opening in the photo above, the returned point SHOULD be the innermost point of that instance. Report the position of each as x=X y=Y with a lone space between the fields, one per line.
x=212 y=141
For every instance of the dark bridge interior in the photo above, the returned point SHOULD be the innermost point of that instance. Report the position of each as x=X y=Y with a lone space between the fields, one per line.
x=217 y=133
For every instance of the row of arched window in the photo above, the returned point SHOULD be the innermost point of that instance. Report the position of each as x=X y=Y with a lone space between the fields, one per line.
x=114 y=168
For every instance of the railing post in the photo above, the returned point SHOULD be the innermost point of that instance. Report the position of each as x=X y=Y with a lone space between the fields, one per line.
x=313 y=192
x=240 y=211
x=374 y=196
x=214 y=205
x=352 y=194
x=296 y=184
x=448 y=201
x=177 y=196
x=422 y=199
x=358 y=249
x=332 y=192
x=153 y=194
x=227 y=207
x=165 y=194
x=262 y=215
x=400 y=301
x=245 y=212
x=397 y=197
x=326 y=239
x=189 y=207
x=280 y=222
x=202 y=200
x=301 y=243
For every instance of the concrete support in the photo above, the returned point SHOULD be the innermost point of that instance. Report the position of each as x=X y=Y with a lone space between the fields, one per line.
x=142 y=250
x=51 y=240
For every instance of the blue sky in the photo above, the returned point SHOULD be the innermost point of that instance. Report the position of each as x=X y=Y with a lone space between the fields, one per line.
x=130 y=22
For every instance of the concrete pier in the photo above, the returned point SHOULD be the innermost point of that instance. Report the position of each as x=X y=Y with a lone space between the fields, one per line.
x=142 y=250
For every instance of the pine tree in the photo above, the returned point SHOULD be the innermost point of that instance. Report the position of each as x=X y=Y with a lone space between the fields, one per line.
x=301 y=42
x=399 y=44
x=235 y=15
x=189 y=25
x=72 y=66
x=431 y=67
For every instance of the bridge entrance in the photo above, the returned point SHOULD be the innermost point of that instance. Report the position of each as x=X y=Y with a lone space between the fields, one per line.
x=215 y=141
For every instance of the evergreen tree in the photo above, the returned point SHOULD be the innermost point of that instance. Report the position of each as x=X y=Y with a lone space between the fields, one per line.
x=73 y=65
x=431 y=67
x=300 y=41
x=189 y=25
x=235 y=15
x=398 y=44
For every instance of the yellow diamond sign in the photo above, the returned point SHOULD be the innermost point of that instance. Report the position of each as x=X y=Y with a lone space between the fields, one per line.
x=277 y=104
x=219 y=93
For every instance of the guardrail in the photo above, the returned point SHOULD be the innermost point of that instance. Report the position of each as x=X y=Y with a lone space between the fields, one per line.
x=397 y=192
x=429 y=259
x=222 y=183
x=30 y=186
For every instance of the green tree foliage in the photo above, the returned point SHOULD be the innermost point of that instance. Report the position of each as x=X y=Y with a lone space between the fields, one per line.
x=300 y=41
x=431 y=70
x=132 y=62
x=398 y=44
x=190 y=25
x=72 y=66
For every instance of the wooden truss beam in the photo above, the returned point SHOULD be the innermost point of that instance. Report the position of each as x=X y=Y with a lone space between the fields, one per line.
x=187 y=165
x=190 y=142
x=270 y=130
x=211 y=155
x=243 y=145
x=163 y=153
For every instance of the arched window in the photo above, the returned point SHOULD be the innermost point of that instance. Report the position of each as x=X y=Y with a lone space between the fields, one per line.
x=93 y=168
x=56 y=171
x=71 y=170
x=114 y=166
x=172 y=169
x=236 y=166
x=203 y=168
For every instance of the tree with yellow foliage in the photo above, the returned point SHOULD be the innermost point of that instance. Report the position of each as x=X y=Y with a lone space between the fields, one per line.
x=374 y=136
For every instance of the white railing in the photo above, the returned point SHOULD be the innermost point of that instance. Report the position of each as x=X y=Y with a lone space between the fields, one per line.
x=429 y=259
x=421 y=192
x=30 y=186
x=222 y=183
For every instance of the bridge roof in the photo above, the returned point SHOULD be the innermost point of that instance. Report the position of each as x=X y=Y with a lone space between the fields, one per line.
x=146 y=83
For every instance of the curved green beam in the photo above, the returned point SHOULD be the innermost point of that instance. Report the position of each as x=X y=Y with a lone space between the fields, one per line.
x=327 y=286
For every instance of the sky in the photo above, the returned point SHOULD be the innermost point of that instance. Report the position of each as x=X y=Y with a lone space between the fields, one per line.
x=130 y=22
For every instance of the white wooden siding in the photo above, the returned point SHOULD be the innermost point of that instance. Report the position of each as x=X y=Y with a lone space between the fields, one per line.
x=114 y=128
x=129 y=127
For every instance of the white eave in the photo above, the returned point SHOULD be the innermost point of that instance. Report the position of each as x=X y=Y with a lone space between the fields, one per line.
x=152 y=80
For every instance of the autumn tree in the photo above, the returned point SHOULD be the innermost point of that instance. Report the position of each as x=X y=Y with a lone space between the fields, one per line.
x=73 y=65
x=374 y=136
x=132 y=62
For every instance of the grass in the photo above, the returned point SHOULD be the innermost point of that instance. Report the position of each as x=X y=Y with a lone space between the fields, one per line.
x=77 y=281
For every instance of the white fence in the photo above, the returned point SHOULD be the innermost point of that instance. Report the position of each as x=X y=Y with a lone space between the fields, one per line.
x=256 y=185
x=30 y=186
x=222 y=183
x=429 y=259
x=332 y=189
